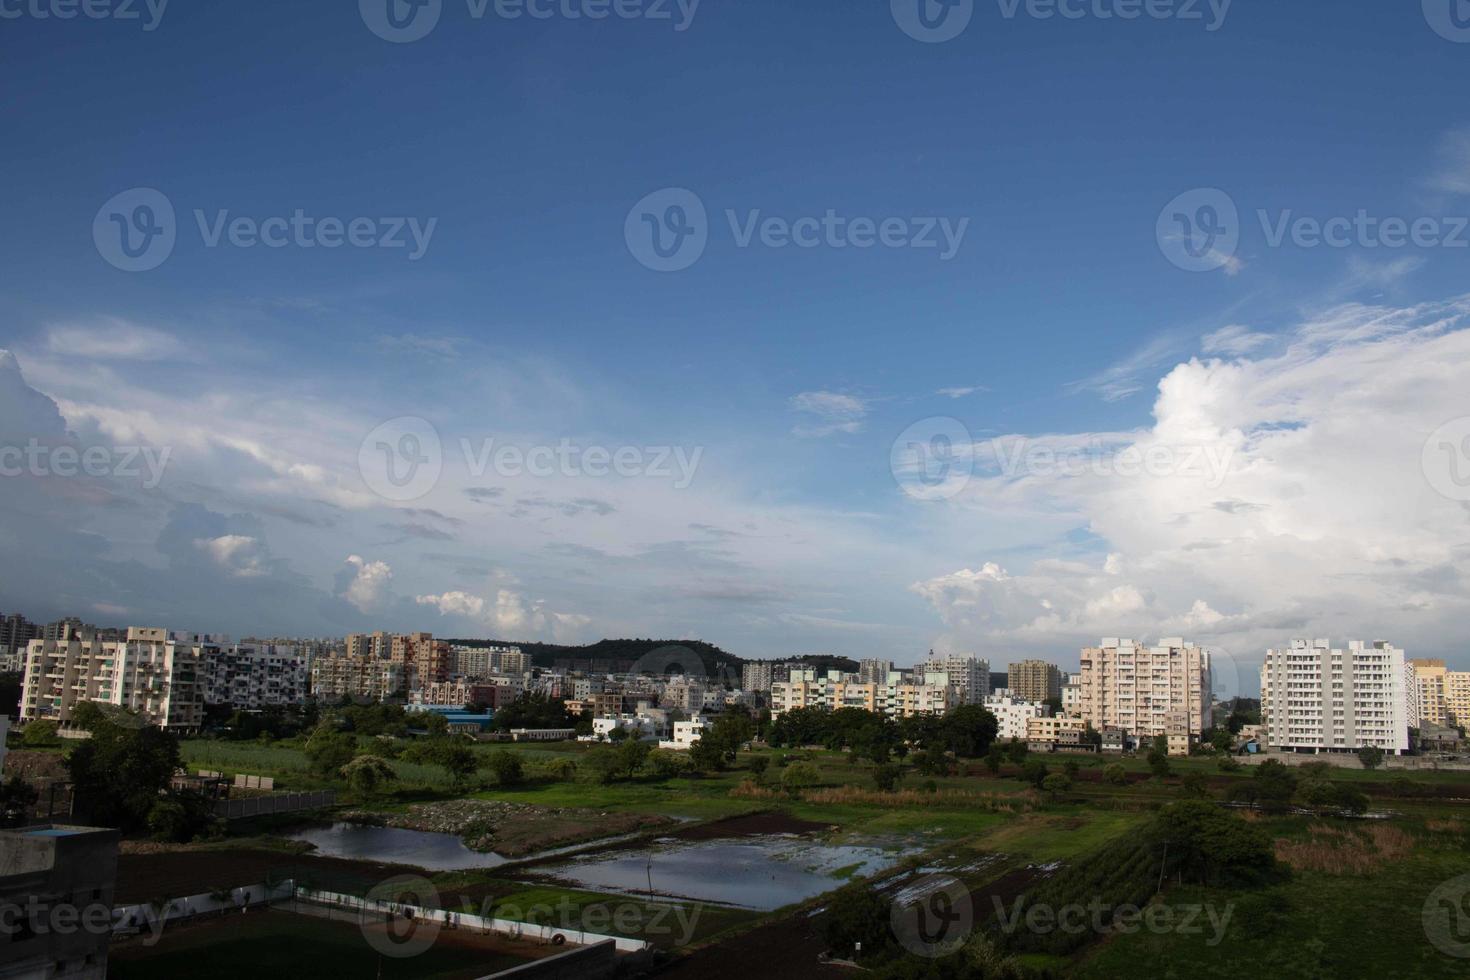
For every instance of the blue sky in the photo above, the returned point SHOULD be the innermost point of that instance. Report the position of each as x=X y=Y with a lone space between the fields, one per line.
x=528 y=319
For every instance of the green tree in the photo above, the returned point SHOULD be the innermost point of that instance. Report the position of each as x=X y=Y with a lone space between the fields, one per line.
x=887 y=776
x=631 y=756
x=119 y=773
x=1193 y=785
x=1034 y=771
x=17 y=797
x=328 y=750
x=40 y=734
x=1371 y=756
x=1056 y=784
x=507 y=768
x=995 y=758
x=1115 y=774
x=857 y=923
x=969 y=730
x=669 y=764
x=367 y=774
x=799 y=776
x=434 y=723
x=758 y=764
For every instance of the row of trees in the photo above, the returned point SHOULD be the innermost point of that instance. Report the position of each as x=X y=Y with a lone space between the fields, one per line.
x=966 y=732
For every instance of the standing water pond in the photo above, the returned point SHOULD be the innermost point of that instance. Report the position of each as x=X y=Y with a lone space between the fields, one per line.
x=762 y=873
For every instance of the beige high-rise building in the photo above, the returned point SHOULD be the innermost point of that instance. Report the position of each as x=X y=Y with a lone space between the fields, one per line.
x=1034 y=680
x=377 y=645
x=1437 y=695
x=1146 y=691
x=155 y=673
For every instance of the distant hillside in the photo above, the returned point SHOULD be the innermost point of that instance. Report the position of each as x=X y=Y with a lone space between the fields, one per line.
x=620 y=656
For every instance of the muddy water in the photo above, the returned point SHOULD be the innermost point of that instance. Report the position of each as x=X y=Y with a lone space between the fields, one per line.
x=390 y=845
x=762 y=873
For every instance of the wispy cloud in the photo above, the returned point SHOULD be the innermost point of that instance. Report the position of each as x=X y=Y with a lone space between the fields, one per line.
x=1234 y=339
x=1452 y=163
x=961 y=391
x=833 y=412
x=1126 y=377
x=112 y=338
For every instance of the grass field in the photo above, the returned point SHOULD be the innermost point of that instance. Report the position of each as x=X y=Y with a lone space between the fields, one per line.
x=1353 y=913
x=283 y=944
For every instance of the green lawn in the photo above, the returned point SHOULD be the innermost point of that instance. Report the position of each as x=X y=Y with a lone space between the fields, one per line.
x=283 y=944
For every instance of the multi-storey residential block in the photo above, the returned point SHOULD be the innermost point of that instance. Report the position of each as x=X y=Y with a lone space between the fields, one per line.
x=152 y=672
x=757 y=676
x=256 y=674
x=898 y=696
x=358 y=677
x=1318 y=699
x=474 y=662
x=16 y=633
x=968 y=676
x=1146 y=691
x=1034 y=680
x=377 y=645
x=1072 y=695
x=874 y=671
x=1057 y=730
x=1437 y=695
x=1011 y=715
x=683 y=694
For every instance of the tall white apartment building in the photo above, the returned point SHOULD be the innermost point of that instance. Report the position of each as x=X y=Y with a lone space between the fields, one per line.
x=969 y=676
x=256 y=674
x=1146 y=691
x=1315 y=698
x=874 y=671
x=155 y=673
x=1012 y=714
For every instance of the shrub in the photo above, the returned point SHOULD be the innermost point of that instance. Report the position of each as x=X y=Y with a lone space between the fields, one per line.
x=507 y=768
x=1115 y=774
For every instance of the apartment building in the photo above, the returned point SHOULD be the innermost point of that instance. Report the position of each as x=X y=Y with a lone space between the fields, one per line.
x=1034 y=680
x=16 y=633
x=256 y=674
x=1055 y=730
x=473 y=662
x=1318 y=699
x=900 y=694
x=358 y=677
x=1437 y=695
x=874 y=671
x=969 y=676
x=1011 y=715
x=155 y=673
x=1145 y=691
x=1072 y=695
x=378 y=646
x=683 y=695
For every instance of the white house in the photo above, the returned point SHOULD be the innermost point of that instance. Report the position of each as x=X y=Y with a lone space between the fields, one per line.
x=686 y=733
